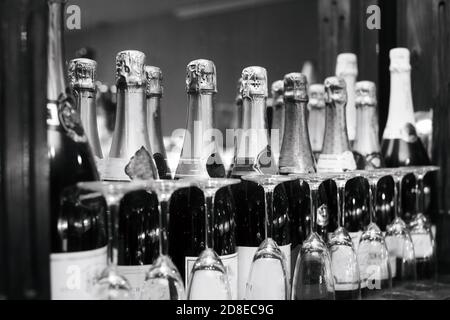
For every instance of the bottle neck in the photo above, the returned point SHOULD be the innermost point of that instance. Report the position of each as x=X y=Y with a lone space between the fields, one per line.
x=252 y=140
x=154 y=125
x=316 y=124
x=56 y=83
x=131 y=132
x=401 y=109
x=278 y=122
x=336 y=140
x=350 y=81
x=201 y=139
x=296 y=153
x=86 y=104
x=367 y=142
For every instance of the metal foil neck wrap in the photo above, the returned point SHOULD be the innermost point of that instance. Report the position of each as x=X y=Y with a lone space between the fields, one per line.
x=154 y=79
x=82 y=73
x=130 y=68
x=296 y=87
x=201 y=76
x=254 y=82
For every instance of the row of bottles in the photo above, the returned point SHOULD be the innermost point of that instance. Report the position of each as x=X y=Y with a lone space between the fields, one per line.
x=137 y=152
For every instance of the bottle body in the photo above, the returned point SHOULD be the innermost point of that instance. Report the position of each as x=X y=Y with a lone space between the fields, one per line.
x=336 y=153
x=366 y=146
x=200 y=158
x=78 y=240
x=131 y=158
x=401 y=145
x=253 y=157
x=154 y=94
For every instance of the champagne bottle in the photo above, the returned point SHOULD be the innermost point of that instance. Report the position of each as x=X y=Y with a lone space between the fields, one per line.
x=78 y=240
x=336 y=154
x=239 y=105
x=347 y=68
x=253 y=156
x=296 y=152
x=366 y=147
x=82 y=82
x=278 y=113
x=154 y=92
x=296 y=157
x=401 y=146
x=316 y=117
x=131 y=158
x=200 y=158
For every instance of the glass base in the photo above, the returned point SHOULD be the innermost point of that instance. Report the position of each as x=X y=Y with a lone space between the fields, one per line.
x=112 y=286
x=163 y=282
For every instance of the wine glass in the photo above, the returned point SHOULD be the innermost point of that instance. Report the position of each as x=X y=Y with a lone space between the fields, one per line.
x=163 y=280
x=398 y=239
x=313 y=278
x=111 y=285
x=373 y=255
x=209 y=279
x=268 y=259
x=344 y=263
x=422 y=233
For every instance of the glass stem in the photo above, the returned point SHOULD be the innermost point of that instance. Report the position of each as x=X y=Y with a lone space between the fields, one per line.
x=113 y=232
x=398 y=197
x=268 y=197
x=209 y=219
x=341 y=203
x=419 y=194
x=372 y=200
x=313 y=197
x=163 y=217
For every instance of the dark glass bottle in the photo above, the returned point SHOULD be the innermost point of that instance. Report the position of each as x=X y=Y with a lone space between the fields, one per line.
x=154 y=92
x=131 y=158
x=200 y=158
x=296 y=157
x=78 y=240
x=253 y=156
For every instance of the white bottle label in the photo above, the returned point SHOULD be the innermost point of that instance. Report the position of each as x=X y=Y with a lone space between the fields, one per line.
x=245 y=257
x=73 y=275
x=135 y=276
x=230 y=263
x=113 y=169
x=423 y=246
x=336 y=162
x=372 y=268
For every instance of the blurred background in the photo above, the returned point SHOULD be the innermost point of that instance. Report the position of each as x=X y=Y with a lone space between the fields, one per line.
x=279 y=35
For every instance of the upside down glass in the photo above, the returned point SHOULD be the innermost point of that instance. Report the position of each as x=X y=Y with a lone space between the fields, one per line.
x=313 y=278
x=163 y=280
x=111 y=285
x=344 y=263
x=268 y=259
x=209 y=279
x=422 y=234
x=373 y=255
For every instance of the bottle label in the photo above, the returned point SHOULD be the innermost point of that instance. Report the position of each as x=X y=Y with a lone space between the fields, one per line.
x=342 y=267
x=135 y=276
x=336 y=162
x=113 y=169
x=423 y=246
x=245 y=257
x=371 y=268
x=73 y=275
x=230 y=263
